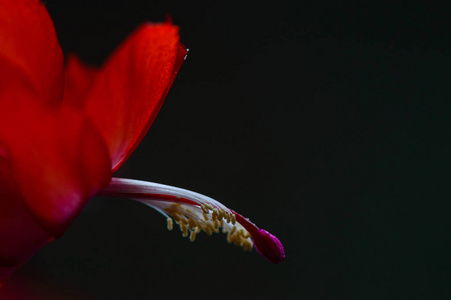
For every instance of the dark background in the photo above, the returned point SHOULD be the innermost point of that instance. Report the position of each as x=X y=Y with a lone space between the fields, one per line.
x=326 y=123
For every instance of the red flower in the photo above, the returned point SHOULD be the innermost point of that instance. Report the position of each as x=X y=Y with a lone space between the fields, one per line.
x=65 y=130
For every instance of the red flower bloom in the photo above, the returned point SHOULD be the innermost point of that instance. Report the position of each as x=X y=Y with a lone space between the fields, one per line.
x=65 y=130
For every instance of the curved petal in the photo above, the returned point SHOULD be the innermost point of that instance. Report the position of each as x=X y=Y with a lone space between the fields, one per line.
x=29 y=50
x=20 y=233
x=78 y=83
x=58 y=162
x=126 y=94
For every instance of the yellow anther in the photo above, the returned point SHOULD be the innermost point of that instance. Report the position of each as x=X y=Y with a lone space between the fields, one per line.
x=244 y=234
x=204 y=208
x=233 y=219
x=176 y=217
x=209 y=206
x=247 y=246
x=233 y=230
x=214 y=215
x=205 y=216
x=170 y=224
x=221 y=214
x=208 y=231
x=216 y=224
x=192 y=236
x=229 y=238
x=192 y=223
x=228 y=218
x=211 y=227
x=184 y=229
x=184 y=221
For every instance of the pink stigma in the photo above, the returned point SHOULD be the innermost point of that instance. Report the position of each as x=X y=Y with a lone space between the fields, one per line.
x=266 y=244
x=269 y=246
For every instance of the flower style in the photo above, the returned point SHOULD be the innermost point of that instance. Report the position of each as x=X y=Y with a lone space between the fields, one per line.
x=65 y=128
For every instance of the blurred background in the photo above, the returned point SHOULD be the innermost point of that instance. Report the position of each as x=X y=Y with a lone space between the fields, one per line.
x=325 y=123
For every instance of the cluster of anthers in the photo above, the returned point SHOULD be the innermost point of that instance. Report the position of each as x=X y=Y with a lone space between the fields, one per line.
x=195 y=212
x=212 y=220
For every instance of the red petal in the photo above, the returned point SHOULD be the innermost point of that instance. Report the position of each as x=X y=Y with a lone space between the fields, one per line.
x=79 y=79
x=129 y=90
x=58 y=159
x=20 y=233
x=29 y=50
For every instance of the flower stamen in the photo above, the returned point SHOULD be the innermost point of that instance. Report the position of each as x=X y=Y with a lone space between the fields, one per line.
x=194 y=212
x=170 y=224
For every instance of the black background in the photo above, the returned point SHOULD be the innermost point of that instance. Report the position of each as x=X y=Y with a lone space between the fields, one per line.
x=325 y=123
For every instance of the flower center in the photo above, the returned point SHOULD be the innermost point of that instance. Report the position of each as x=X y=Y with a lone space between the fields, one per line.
x=194 y=212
